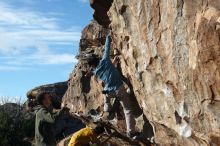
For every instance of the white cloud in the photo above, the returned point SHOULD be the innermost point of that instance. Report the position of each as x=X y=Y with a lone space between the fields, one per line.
x=41 y=56
x=83 y=1
x=56 y=59
x=11 y=68
x=37 y=59
x=27 y=38
x=25 y=18
x=17 y=41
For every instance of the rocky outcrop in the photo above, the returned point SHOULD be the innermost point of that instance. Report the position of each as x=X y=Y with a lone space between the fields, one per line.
x=57 y=90
x=84 y=92
x=170 y=52
x=100 y=11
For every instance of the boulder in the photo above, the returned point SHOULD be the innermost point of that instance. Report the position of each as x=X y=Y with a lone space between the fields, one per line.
x=84 y=92
x=57 y=91
x=169 y=51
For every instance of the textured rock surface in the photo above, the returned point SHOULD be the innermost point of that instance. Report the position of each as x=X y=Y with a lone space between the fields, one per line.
x=84 y=92
x=100 y=11
x=170 y=52
x=57 y=88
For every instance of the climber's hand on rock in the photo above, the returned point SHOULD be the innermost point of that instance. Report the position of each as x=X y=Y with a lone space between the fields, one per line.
x=115 y=60
x=109 y=37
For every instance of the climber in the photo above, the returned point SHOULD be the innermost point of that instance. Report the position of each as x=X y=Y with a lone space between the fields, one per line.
x=45 y=121
x=87 y=136
x=114 y=85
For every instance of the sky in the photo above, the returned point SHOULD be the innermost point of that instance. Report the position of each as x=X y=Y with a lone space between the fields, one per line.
x=38 y=42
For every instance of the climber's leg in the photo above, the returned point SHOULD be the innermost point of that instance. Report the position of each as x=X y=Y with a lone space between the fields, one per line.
x=128 y=110
x=107 y=103
x=130 y=120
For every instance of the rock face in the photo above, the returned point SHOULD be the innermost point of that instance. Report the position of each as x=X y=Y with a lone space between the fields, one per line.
x=170 y=52
x=57 y=88
x=100 y=11
x=84 y=92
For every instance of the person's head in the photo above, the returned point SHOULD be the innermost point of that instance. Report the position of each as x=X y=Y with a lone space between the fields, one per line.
x=99 y=129
x=44 y=98
x=93 y=61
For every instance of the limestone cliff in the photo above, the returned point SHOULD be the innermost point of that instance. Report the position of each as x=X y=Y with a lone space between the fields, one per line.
x=170 y=52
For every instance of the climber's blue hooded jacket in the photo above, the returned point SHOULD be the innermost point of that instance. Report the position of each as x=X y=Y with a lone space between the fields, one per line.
x=107 y=72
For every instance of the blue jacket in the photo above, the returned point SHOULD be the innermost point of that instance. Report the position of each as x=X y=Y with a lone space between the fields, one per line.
x=107 y=72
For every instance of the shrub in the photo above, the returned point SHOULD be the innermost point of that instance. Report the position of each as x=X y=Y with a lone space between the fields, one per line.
x=14 y=127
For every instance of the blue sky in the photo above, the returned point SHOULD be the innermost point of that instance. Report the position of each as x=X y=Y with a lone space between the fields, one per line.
x=38 y=42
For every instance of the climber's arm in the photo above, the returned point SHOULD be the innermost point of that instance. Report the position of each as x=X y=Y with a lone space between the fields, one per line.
x=115 y=61
x=63 y=111
x=107 y=47
x=47 y=116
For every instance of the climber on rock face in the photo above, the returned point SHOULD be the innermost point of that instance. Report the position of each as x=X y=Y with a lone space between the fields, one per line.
x=45 y=121
x=115 y=87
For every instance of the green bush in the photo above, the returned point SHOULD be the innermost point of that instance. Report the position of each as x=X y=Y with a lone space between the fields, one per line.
x=14 y=127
